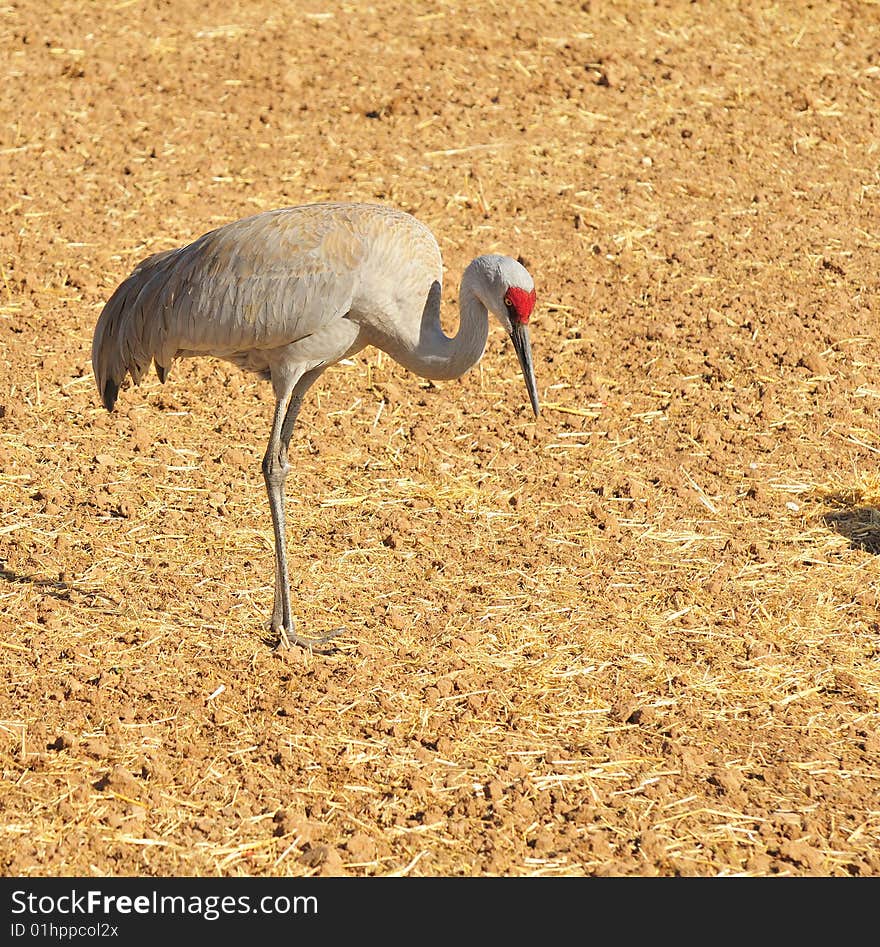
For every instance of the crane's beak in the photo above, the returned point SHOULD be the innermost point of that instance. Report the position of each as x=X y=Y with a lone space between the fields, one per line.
x=519 y=334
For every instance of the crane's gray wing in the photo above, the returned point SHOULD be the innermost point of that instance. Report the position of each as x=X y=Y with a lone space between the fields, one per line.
x=256 y=284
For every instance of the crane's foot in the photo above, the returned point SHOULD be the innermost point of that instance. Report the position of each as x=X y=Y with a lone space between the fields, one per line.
x=287 y=639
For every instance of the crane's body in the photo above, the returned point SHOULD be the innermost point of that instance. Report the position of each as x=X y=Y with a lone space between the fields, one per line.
x=289 y=292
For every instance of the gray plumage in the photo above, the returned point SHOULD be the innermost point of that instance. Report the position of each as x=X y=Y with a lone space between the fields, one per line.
x=287 y=293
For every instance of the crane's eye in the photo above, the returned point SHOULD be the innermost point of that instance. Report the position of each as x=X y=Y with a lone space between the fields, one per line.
x=507 y=302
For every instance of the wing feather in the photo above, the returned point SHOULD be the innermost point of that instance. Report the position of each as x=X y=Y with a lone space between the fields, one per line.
x=258 y=283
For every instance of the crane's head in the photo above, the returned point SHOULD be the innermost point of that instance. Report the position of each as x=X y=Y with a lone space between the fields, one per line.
x=508 y=291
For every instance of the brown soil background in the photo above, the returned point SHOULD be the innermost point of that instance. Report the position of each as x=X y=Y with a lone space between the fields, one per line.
x=638 y=637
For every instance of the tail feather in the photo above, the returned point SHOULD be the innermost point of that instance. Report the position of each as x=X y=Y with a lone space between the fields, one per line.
x=108 y=396
x=130 y=330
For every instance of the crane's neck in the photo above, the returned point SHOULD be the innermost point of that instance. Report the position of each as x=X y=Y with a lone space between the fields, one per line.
x=441 y=357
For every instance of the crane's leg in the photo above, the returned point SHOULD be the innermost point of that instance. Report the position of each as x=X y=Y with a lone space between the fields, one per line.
x=275 y=470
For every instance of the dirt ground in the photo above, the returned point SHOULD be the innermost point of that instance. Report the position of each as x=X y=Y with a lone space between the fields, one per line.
x=638 y=636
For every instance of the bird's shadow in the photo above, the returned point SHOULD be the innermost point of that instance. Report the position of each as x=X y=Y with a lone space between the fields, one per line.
x=860 y=525
x=54 y=587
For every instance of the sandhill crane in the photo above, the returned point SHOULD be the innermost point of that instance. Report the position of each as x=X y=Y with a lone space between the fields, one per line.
x=289 y=292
